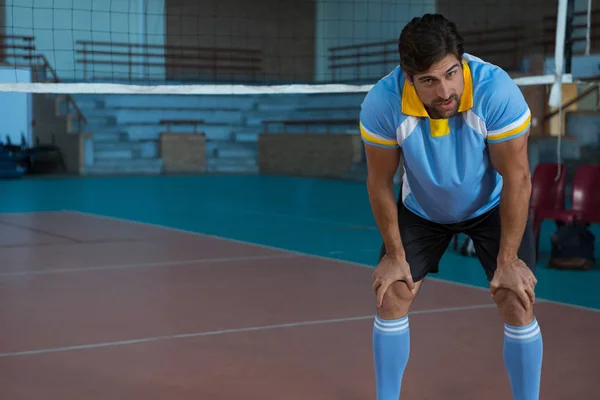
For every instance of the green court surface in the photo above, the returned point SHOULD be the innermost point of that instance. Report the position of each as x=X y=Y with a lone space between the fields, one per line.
x=320 y=217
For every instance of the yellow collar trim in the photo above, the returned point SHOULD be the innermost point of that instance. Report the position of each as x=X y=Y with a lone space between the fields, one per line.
x=412 y=105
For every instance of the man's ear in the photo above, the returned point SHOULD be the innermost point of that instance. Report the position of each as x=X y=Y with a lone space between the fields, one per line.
x=408 y=78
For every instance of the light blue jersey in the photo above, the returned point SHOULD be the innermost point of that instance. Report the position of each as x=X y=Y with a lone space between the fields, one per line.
x=448 y=174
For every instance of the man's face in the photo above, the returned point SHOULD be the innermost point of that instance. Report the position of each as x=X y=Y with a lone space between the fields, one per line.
x=441 y=87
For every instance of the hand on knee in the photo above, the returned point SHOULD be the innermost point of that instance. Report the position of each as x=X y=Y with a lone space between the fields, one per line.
x=396 y=301
x=511 y=308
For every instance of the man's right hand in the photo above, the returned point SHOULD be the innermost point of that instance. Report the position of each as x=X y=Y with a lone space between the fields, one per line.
x=388 y=271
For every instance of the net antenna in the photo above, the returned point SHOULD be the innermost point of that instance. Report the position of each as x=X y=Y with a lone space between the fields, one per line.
x=555 y=99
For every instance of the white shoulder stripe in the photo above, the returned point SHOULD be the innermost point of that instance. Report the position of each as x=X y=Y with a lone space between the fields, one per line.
x=512 y=126
x=373 y=134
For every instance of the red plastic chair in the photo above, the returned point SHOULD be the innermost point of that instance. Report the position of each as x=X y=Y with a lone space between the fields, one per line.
x=547 y=194
x=586 y=194
x=585 y=199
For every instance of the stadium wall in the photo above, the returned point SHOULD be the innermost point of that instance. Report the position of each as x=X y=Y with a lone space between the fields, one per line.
x=284 y=31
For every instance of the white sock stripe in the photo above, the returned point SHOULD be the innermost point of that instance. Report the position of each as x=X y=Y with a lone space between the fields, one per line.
x=523 y=337
x=521 y=331
x=384 y=322
x=399 y=328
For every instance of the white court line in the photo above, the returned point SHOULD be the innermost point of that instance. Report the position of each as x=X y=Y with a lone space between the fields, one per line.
x=146 y=265
x=237 y=330
x=538 y=299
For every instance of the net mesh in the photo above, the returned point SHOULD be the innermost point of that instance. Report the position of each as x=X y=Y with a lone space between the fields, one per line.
x=263 y=42
x=102 y=59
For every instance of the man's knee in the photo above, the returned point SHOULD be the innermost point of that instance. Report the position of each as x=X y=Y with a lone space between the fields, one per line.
x=396 y=301
x=511 y=308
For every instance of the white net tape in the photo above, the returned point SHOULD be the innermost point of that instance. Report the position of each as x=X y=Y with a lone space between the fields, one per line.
x=225 y=89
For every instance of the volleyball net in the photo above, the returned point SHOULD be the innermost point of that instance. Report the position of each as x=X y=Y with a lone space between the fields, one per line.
x=269 y=47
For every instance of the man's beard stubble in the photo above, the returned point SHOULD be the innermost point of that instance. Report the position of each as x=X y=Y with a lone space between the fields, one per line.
x=435 y=113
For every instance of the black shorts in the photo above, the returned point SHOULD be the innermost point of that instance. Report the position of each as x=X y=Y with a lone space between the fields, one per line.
x=425 y=242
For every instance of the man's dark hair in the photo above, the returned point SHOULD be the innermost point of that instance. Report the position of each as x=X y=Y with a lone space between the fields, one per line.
x=426 y=40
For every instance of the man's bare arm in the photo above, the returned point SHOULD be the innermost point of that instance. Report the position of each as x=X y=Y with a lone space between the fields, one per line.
x=382 y=166
x=510 y=159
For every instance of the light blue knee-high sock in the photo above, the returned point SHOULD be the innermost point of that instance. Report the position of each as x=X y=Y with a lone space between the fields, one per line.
x=391 y=348
x=523 y=352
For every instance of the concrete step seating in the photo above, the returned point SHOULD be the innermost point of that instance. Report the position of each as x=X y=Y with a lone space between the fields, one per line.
x=128 y=126
x=125 y=166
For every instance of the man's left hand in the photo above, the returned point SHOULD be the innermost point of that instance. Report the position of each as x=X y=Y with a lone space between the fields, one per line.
x=517 y=277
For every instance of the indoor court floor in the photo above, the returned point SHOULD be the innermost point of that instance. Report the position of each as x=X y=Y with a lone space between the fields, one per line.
x=246 y=287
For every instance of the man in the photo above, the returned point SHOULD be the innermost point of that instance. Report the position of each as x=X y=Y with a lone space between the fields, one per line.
x=461 y=125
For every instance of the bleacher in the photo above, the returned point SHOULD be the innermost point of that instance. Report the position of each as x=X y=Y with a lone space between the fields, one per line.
x=127 y=128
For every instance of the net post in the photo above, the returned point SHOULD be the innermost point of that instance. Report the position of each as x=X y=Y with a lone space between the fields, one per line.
x=569 y=35
x=555 y=99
